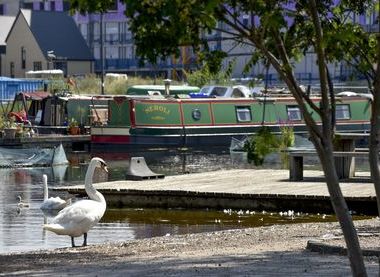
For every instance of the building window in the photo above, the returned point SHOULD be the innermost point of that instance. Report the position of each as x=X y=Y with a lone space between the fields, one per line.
x=96 y=31
x=28 y=6
x=96 y=52
x=128 y=35
x=130 y=52
x=37 y=66
x=294 y=113
x=245 y=20
x=42 y=6
x=122 y=52
x=84 y=30
x=12 y=69
x=243 y=114
x=342 y=111
x=112 y=32
x=66 y=5
x=1 y=9
x=23 y=57
x=52 y=5
x=111 y=52
x=113 y=7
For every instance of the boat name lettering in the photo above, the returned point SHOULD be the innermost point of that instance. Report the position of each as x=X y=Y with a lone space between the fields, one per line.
x=157 y=108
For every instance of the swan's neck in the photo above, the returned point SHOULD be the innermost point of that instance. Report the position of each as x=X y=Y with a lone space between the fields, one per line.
x=46 y=193
x=91 y=191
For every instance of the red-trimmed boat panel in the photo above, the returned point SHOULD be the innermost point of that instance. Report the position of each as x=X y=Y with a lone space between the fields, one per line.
x=119 y=139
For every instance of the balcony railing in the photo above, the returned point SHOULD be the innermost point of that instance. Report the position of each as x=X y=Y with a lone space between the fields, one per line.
x=372 y=28
x=123 y=38
x=134 y=64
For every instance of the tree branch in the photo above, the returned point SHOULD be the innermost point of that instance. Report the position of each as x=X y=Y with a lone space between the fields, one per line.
x=325 y=109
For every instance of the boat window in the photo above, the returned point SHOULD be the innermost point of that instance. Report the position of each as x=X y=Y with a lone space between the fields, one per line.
x=237 y=93
x=342 y=111
x=294 y=113
x=218 y=91
x=154 y=92
x=243 y=114
x=205 y=90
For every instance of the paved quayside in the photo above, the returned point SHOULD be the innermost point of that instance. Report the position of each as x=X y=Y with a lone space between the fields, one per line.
x=265 y=189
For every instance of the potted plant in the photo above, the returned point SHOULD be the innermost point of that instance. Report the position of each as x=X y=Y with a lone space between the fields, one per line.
x=73 y=127
x=10 y=128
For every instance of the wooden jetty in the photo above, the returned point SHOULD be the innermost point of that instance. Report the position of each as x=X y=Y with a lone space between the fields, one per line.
x=73 y=142
x=263 y=189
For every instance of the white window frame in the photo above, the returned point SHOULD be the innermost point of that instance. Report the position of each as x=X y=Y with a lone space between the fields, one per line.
x=342 y=112
x=243 y=113
x=294 y=113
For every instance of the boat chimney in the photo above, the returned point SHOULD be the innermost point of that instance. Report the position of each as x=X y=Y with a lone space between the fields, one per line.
x=167 y=86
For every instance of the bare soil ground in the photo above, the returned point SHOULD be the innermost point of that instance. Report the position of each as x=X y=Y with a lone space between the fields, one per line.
x=278 y=250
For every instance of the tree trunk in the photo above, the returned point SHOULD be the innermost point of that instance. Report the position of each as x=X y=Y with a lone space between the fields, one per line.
x=374 y=143
x=324 y=147
x=344 y=217
x=374 y=148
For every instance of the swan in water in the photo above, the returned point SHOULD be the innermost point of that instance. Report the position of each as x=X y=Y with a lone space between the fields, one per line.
x=52 y=203
x=77 y=219
x=21 y=204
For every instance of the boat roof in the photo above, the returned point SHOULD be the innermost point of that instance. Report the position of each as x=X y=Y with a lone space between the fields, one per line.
x=143 y=89
x=33 y=95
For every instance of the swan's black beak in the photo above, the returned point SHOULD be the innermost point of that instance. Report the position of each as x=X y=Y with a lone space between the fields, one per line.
x=104 y=167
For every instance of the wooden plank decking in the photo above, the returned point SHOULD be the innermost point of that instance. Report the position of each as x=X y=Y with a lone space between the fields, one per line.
x=81 y=142
x=231 y=188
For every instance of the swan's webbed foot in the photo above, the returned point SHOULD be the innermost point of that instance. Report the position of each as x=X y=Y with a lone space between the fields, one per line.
x=72 y=242
x=84 y=239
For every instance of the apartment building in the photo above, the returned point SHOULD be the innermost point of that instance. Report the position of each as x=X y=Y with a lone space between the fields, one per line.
x=119 y=53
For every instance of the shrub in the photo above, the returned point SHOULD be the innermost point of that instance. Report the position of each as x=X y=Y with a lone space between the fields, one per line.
x=265 y=142
x=260 y=145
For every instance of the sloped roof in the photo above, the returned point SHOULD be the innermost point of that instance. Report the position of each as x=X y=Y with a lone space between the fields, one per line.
x=57 y=31
x=33 y=95
x=6 y=23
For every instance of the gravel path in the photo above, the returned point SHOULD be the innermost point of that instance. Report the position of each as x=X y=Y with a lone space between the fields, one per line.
x=278 y=250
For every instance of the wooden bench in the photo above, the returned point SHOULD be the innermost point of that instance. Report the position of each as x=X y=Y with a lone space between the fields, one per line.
x=344 y=162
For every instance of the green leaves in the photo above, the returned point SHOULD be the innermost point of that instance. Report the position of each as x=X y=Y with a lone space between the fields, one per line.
x=84 y=6
x=260 y=145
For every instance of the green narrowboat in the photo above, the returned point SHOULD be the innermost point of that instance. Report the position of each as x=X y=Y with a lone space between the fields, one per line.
x=159 y=121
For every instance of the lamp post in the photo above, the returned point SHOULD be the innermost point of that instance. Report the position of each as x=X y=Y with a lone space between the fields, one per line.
x=51 y=56
x=101 y=54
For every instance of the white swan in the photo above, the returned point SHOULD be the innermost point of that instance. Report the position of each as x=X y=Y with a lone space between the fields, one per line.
x=80 y=217
x=52 y=203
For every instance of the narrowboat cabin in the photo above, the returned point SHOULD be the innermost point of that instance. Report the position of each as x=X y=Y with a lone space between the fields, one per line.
x=175 y=122
x=50 y=114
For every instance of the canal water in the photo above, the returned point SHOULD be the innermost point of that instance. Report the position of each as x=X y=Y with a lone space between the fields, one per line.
x=21 y=228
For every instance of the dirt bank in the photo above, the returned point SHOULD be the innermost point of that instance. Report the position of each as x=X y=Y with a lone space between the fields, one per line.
x=265 y=251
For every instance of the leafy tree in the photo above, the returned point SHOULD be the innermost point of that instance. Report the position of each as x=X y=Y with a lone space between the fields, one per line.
x=207 y=76
x=279 y=32
x=361 y=50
